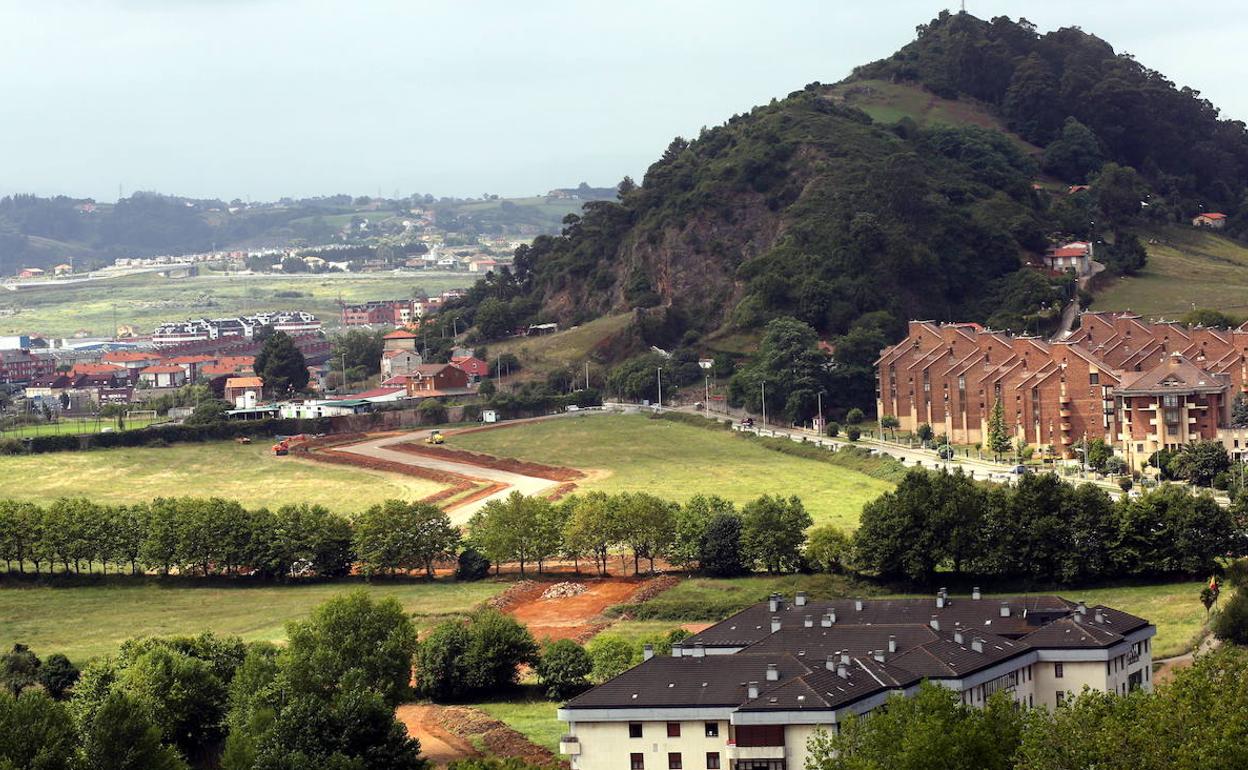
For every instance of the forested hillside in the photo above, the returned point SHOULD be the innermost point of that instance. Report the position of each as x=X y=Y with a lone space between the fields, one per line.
x=807 y=208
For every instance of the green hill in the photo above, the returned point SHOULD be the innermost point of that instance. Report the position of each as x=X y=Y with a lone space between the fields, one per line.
x=1187 y=268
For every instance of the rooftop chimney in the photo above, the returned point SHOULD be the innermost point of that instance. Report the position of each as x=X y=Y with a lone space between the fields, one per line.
x=800 y=599
x=845 y=657
x=934 y=623
x=940 y=601
x=751 y=690
x=842 y=671
x=827 y=620
x=977 y=644
x=1005 y=609
x=1100 y=616
x=773 y=673
x=647 y=651
x=677 y=650
x=1082 y=607
x=892 y=643
x=858 y=605
x=773 y=603
x=699 y=650
x=775 y=625
x=808 y=621
x=975 y=593
x=878 y=655
x=957 y=633
x=831 y=663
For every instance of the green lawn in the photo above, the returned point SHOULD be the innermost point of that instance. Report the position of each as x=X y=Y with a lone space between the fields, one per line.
x=247 y=473
x=75 y=426
x=676 y=461
x=91 y=621
x=533 y=717
x=1185 y=267
x=1173 y=607
x=143 y=301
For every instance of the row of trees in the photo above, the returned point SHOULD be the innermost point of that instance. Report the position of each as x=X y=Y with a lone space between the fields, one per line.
x=1042 y=529
x=1197 y=720
x=706 y=533
x=325 y=699
x=213 y=536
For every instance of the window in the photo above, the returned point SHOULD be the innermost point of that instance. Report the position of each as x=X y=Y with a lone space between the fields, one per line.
x=1094 y=378
x=637 y=761
x=1061 y=698
x=1057 y=670
x=673 y=760
x=712 y=729
x=634 y=729
x=673 y=729
x=712 y=760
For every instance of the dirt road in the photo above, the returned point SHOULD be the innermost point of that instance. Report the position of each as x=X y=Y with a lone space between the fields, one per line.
x=377 y=449
x=438 y=745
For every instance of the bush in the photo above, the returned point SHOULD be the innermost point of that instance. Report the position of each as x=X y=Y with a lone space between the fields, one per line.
x=611 y=655
x=854 y=416
x=720 y=552
x=11 y=446
x=57 y=675
x=564 y=668
x=828 y=549
x=853 y=434
x=471 y=565
x=1230 y=624
x=945 y=452
x=431 y=412
x=834 y=429
x=1125 y=483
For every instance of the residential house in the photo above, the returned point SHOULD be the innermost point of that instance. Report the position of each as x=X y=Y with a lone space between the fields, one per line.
x=243 y=392
x=435 y=379
x=163 y=376
x=60 y=270
x=30 y=272
x=1212 y=219
x=133 y=360
x=1076 y=256
x=475 y=368
x=399 y=362
x=749 y=692
x=22 y=366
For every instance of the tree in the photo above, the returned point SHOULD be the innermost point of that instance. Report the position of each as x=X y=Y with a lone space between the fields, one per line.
x=359 y=350
x=998 y=435
x=646 y=525
x=1098 y=454
x=440 y=665
x=36 y=732
x=854 y=416
x=1074 y=156
x=57 y=675
x=281 y=365
x=122 y=737
x=19 y=669
x=178 y=693
x=352 y=638
x=612 y=655
x=487 y=389
x=399 y=535
x=592 y=527
x=690 y=525
x=1119 y=192
x=773 y=530
x=889 y=423
x=494 y=319
x=564 y=668
x=924 y=433
x=1201 y=461
x=828 y=549
x=471 y=565
x=791 y=366
x=1209 y=318
x=497 y=647
x=1239 y=411
x=720 y=552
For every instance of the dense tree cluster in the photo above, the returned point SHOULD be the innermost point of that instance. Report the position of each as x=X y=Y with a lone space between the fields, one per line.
x=705 y=533
x=1042 y=529
x=1199 y=719
x=481 y=655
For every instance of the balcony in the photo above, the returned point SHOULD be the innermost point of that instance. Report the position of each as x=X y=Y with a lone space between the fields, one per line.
x=1065 y=426
x=569 y=745
x=755 y=752
x=1063 y=412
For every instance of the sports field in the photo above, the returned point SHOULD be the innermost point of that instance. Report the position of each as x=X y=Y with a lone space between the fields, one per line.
x=91 y=621
x=247 y=473
x=143 y=301
x=676 y=461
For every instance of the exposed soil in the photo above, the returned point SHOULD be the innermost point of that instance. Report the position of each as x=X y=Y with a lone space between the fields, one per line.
x=477 y=727
x=437 y=744
x=524 y=468
x=572 y=617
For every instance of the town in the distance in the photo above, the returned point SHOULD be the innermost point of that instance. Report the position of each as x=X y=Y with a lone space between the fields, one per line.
x=898 y=422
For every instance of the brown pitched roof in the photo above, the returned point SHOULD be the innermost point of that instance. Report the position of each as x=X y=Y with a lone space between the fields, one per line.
x=1176 y=374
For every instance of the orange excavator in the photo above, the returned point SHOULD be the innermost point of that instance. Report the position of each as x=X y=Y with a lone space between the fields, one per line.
x=284 y=443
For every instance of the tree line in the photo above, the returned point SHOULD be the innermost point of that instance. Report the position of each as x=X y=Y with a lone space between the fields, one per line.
x=1041 y=529
x=706 y=533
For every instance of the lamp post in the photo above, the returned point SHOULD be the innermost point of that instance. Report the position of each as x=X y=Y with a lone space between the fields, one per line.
x=763 y=385
x=658 y=374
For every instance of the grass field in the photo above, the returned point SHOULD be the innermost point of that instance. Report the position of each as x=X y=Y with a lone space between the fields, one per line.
x=91 y=621
x=1174 y=607
x=248 y=473
x=634 y=453
x=567 y=349
x=143 y=301
x=533 y=716
x=75 y=426
x=1185 y=267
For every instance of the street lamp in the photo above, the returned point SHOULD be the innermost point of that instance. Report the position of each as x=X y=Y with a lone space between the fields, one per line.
x=763 y=384
x=658 y=374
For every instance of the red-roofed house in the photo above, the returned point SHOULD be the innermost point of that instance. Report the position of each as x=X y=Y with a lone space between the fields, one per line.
x=1076 y=255
x=427 y=379
x=133 y=360
x=163 y=376
x=475 y=368
x=1213 y=219
x=238 y=389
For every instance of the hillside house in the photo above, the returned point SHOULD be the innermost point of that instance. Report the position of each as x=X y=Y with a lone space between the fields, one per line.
x=435 y=379
x=1213 y=219
x=243 y=392
x=30 y=272
x=399 y=362
x=475 y=368
x=750 y=691
x=1076 y=256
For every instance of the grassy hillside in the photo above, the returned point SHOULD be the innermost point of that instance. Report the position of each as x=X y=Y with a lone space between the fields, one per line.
x=1186 y=267
x=91 y=621
x=634 y=453
x=143 y=301
x=249 y=474
x=567 y=349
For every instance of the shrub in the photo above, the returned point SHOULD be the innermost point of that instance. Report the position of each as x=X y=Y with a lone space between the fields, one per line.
x=471 y=565
x=828 y=549
x=1125 y=483
x=10 y=446
x=57 y=675
x=611 y=655
x=834 y=429
x=945 y=452
x=564 y=668
x=855 y=416
x=1231 y=622
x=853 y=434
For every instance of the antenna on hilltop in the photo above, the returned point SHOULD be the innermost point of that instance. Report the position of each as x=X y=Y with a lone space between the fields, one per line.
x=963 y=6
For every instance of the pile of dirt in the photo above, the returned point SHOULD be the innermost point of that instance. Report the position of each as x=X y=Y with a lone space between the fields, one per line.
x=519 y=593
x=522 y=467
x=654 y=587
x=495 y=737
x=564 y=590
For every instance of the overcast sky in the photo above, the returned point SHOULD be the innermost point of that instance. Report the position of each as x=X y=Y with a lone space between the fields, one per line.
x=264 y=98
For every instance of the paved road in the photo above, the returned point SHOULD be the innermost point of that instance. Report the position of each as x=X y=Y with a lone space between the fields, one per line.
x=527 y=485
x=1071 y=311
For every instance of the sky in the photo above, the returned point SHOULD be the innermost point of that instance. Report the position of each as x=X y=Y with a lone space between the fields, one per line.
x=259 y=99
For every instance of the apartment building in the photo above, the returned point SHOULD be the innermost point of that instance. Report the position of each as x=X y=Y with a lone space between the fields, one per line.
x=296 y=322
x=749 y=692
x=1108 y=380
